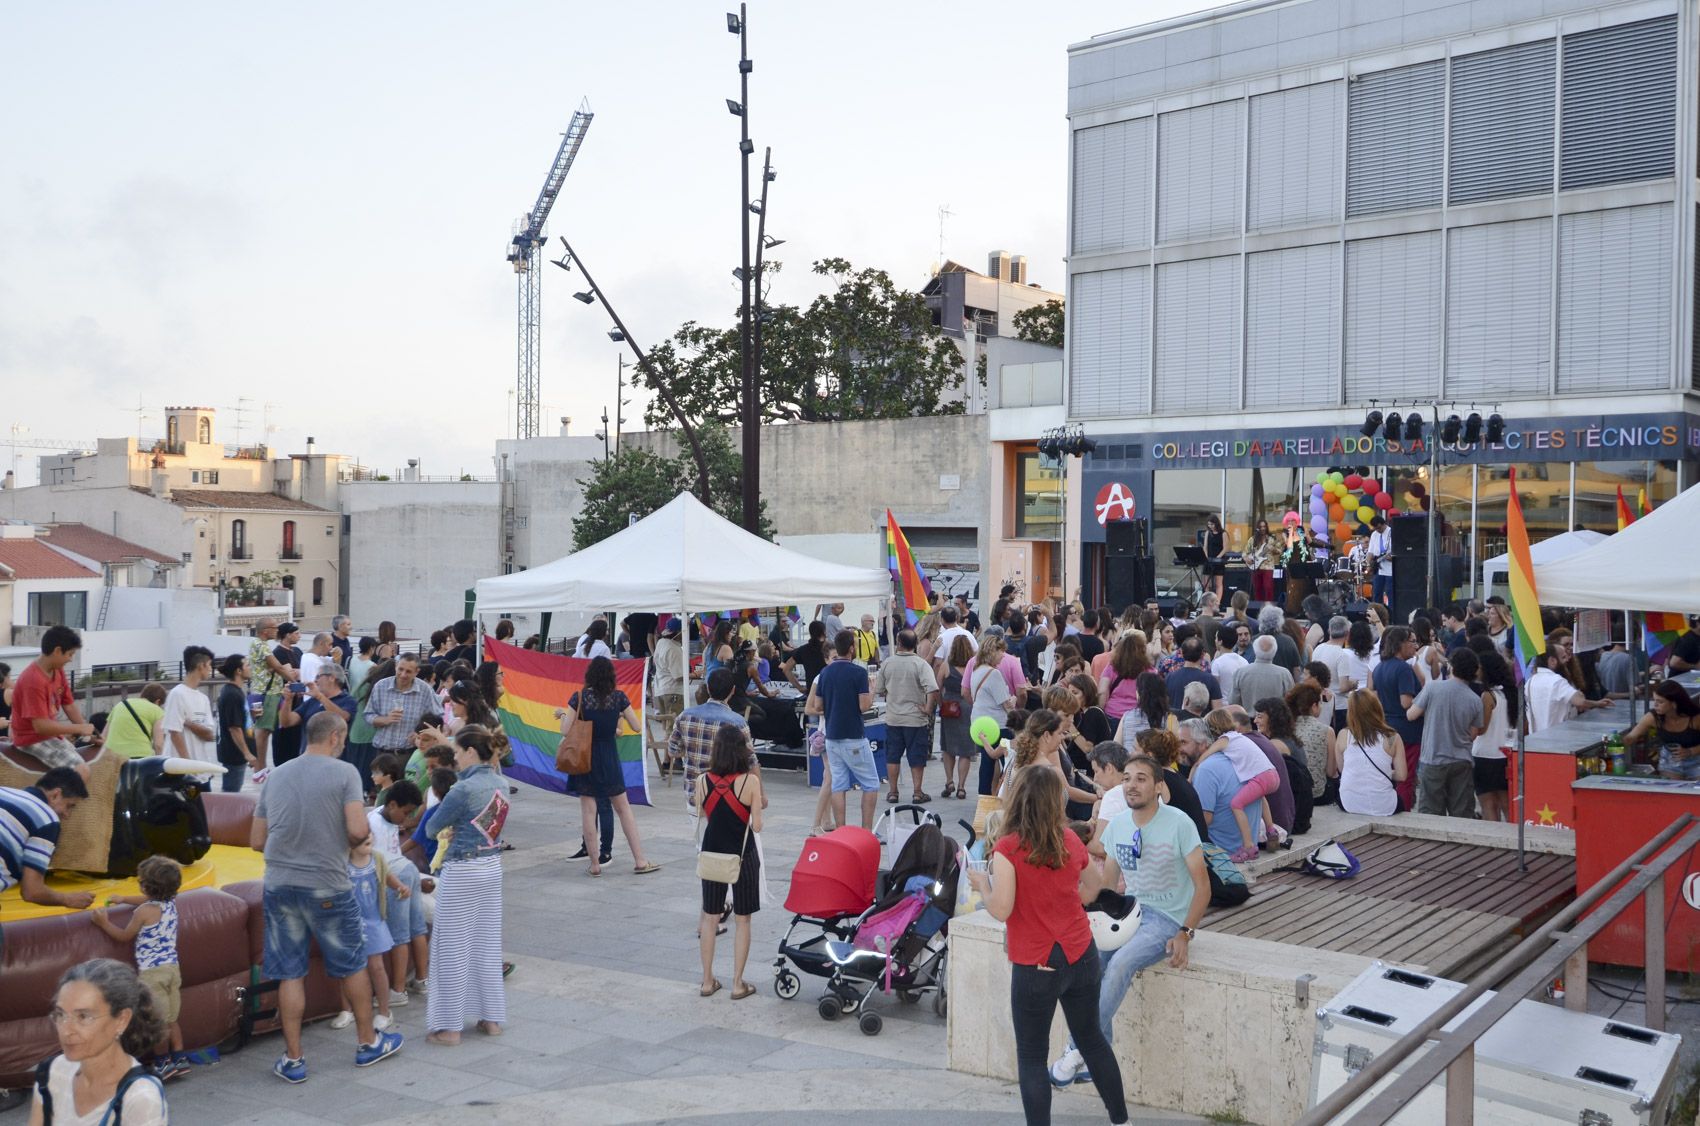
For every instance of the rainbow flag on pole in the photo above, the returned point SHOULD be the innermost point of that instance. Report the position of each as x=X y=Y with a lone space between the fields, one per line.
x=1625 y=516
x=1525 y=600
x=911 y=580
x=533 y=686
x=1641 y=501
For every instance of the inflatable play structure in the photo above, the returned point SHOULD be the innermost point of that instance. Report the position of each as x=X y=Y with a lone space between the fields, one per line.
x=139 y=808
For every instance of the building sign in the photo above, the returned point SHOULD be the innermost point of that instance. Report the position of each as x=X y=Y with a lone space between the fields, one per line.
x=1114 y=502
x=1582 y=438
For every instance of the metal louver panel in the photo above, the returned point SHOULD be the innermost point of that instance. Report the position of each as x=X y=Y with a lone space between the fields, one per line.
x=1614 y=279
x=1499 y=310
x=1395 y=139
x=1619 y=121
x=1295 y=156
x=1112 y=187
x=1293 y=327
x=1198 y=336
x=1502 y=122
x=1393 y=317
x=1109 y=344
x=1200 y=168
x=1694 y=322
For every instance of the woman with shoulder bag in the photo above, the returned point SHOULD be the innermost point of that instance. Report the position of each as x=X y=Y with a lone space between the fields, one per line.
x=730 y=797
x=602 y=707
x=1370 y=758
x=956 y=750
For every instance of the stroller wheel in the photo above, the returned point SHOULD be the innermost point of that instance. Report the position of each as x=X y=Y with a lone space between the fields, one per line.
x=829 y=1008
x=786 y=985
x=870 y=1024
x=939 y=1004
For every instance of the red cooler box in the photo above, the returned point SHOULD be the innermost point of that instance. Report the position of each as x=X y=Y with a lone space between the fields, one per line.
x=1615 y=815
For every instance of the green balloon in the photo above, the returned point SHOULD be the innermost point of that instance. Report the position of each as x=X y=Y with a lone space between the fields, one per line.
x=985 y=731
x=1337 y=477
x=1322 y=478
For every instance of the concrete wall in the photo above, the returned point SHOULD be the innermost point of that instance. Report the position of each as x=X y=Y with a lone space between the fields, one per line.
x=119 y=510
x=547 y=496
x=414 y=549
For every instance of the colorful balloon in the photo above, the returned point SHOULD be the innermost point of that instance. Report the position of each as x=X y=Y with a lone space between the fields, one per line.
x=1371 y=485
x=1319 y=524
x=1383 y=501
x=985 y=731
x=1366 y=514
x=1353 y=481
x=1344 y=530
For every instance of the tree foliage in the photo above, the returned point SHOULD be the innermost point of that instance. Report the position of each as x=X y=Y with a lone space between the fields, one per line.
x=867 y=349
x=635 y=482
x=1042 y=324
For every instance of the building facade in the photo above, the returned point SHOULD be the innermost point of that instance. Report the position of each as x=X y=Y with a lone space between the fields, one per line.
x=1284 y=215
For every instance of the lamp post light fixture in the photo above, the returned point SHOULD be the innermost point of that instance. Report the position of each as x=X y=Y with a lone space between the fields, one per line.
x=750 y=472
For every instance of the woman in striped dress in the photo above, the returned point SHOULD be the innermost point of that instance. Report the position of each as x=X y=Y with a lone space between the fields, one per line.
x=466 y=934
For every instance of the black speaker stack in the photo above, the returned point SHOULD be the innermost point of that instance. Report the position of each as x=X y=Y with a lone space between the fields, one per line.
x=1130 y=574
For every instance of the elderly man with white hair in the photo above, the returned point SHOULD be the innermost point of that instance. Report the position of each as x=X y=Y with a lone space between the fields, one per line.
x=1262 y=678
x=1272 y=622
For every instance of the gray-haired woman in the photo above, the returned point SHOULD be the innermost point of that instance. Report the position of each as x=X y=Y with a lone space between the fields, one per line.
x=104 y=1017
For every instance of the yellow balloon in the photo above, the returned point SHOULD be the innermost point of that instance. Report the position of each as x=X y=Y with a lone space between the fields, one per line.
x=1366 y=513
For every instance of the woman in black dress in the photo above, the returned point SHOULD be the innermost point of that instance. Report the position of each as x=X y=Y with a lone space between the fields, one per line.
x=1214 y=544
x=604 y=707
x=731 y=799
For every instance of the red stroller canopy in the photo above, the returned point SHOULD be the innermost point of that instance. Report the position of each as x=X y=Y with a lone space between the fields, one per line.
x=835 y=874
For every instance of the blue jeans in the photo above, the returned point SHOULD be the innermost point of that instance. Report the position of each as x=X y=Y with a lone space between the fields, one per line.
x=851 y=762
x=406 y=917
x=231 y=783
x=1146 y=948
x=331 y=917
x=1380 y=587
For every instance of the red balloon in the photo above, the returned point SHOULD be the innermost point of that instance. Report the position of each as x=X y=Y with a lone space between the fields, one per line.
x=1371 y=485
x=1353 y=480
x=1383 y=501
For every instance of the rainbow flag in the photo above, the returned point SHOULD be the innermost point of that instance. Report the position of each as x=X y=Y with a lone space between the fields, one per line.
x=1625 y=517
x=533 y=686
x=911 y=580
x=1641 y=501
x=1525 y=601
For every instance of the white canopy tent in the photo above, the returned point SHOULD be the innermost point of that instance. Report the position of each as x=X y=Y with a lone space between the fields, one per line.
x=1547 y=551
x=683 y=558
x=1652 y=565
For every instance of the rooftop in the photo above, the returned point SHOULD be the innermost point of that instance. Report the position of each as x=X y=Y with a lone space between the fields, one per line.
x=95 y=544
x=32 y=559
x=230 y=498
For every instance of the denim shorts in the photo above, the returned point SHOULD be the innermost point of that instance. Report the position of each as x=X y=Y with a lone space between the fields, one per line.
x=406 y=917
x=912 y=743
x=331 y=918
x=851 y=762
x=1687 y=769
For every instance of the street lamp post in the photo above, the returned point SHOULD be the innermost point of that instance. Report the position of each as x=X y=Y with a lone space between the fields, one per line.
x=737 y=23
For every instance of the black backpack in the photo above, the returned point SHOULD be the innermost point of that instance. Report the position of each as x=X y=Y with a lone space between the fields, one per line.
x=114 y=1110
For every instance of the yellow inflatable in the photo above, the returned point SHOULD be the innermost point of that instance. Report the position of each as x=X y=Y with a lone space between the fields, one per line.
x=223 y=864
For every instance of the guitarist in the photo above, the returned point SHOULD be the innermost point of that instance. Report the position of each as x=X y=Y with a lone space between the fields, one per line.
x=1380 y=558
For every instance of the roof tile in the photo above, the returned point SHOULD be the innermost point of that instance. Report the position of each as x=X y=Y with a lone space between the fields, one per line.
x=32 y=559
x=92 y=543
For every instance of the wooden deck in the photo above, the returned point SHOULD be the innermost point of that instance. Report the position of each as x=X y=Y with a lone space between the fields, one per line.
x=1445 y=907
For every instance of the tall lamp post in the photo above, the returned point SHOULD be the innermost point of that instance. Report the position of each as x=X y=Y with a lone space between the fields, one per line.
x=736 y=23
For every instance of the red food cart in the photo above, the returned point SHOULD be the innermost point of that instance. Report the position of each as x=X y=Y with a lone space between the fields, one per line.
x=1615 y=815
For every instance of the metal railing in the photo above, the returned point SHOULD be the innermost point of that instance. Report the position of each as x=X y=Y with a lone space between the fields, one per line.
x=289 y=553
x=1560 y=946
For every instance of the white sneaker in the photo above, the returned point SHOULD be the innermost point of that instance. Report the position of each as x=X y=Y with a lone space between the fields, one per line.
x=381 y=1022
x=1066 y=1068
x=398 y=998
x=342 y=1019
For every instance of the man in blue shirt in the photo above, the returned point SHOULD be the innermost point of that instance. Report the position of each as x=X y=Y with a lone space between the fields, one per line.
x=1216 y=784
x=841 y=694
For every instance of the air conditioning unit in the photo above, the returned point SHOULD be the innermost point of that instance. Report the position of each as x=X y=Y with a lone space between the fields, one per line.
x=1539 y=1064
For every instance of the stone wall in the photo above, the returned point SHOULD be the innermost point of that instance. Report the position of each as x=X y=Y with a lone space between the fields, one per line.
x=414 y=549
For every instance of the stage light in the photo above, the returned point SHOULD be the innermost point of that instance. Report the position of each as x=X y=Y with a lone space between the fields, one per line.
x=1395 y=426
x=1449 y=431
x=1372 y=423
x=733 y=24
x=1495 y=429
x=1473 y=429
x=734 y=108
x=1413 y=427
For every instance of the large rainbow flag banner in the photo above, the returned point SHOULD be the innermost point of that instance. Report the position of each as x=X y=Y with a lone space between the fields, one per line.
x=535 y=684
x=1525 y=601
x=900 y=561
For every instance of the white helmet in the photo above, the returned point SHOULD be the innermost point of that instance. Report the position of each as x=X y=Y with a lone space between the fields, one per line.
x=1110 y=932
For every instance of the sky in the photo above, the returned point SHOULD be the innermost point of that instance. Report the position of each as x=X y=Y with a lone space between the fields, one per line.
x=299 y=214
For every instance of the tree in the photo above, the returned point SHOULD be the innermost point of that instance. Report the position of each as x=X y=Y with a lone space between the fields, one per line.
x=867 y=349
x=635 y=482
x=1042 y=324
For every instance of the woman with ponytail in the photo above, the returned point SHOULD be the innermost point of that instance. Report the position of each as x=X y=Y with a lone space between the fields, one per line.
x=104 y=1017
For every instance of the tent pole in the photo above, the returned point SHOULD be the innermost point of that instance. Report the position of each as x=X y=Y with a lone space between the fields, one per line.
x=685 y=653
x=1522 y=768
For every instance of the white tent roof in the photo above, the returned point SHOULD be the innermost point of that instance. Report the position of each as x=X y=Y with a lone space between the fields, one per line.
x=1650 y=565
x=1547 y=551
x=682 y=557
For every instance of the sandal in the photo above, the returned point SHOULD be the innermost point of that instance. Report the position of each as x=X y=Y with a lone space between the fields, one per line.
x=489 y=1028
x=891 y=798
x=711 y=990
x=743 y=991
x=444 y=1038
x=646 y=869
x=921 y=797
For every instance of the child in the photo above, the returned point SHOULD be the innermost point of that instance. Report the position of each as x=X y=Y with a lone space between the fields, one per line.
x=420 y=848
x=386 y=772
x=427 y=736
x=153 y=927
x=404 y=912
x=1257 y=781
x=368 y=873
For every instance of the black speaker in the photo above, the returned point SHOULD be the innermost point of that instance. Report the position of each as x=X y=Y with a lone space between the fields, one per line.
x=1129 y=580
x=1124 y=539
x=1410 y=586
x=1410 y=535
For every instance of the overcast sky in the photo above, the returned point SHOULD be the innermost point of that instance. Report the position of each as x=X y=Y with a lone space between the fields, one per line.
x=303 y=210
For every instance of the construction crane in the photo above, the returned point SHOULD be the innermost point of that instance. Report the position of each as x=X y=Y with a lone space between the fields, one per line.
x=525 y=251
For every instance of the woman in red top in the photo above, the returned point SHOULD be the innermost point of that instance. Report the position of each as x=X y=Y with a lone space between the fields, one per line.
x=1038 y=886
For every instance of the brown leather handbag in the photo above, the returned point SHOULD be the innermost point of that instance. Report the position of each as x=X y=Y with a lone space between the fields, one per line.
x=573 y=754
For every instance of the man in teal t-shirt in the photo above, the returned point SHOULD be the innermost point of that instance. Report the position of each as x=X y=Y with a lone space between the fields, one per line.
x=1157 y=848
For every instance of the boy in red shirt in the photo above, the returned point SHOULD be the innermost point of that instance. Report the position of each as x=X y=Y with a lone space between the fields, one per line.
x=45 y=717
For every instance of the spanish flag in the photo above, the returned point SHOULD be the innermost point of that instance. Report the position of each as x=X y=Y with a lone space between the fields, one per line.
x=1625 y=517
x=1525 y=601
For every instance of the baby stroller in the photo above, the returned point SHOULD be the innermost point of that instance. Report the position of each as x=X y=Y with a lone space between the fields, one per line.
x=900 y=943
x=831 y=885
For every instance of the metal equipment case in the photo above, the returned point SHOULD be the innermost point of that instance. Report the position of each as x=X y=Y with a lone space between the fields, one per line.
x=1540 y=1064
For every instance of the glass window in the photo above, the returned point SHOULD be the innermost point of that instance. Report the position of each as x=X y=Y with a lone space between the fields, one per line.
x=1265 y=494
x=1460 y=551
x=1544 y=490
x=59 y=608
x=1038 y=497
x=239 y=539
x=1182 y=498
x=1597 y=483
